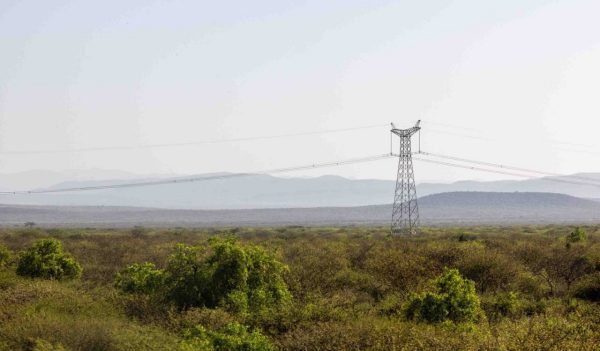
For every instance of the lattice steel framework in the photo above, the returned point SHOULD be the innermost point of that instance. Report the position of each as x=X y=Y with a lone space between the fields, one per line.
x=405 y=214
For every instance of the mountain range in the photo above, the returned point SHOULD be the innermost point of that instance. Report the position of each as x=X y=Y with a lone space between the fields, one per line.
x=265 y=191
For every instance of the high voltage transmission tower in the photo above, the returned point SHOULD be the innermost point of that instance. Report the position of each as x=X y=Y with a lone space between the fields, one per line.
x=405 y=213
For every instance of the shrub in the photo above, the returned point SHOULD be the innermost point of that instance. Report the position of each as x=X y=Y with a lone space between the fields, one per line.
x=491 y=271
x=212 y=319
x=45 y=259
x=231 y=275
x=454 y=299
x=8 y=279
x=55 y=232
x=138 y=231
x=185 y=277
x=589 y=288
x=316 y=264
x=233 y=337
x=398 y=269
x=531 y=284
x=502 y=305
x=566 y=266
x=43 y=345
x=241 y=279
x=466 y=237
x=5 y=255
x=390 y=305
x=139 y=278
x=577 y=235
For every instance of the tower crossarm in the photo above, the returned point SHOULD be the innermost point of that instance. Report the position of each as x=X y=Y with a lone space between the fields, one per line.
x=406 y=132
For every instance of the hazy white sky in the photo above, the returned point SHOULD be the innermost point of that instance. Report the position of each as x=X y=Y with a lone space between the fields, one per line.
x=514 y=82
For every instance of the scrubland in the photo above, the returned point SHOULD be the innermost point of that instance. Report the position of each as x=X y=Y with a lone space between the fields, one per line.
x=297 y=288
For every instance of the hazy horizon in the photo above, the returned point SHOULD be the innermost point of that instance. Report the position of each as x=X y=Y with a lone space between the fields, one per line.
x=507 y=82
x=38 y=178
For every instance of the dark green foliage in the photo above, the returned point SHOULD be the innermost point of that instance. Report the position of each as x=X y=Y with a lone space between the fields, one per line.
x=589 y=288
x=230 y=275
x=45 y=259
x=577 y=235
x=454 y=298
x=228 y=271
x=139 y=279
x=226 y=274
x=466 y=237
x=232 y=337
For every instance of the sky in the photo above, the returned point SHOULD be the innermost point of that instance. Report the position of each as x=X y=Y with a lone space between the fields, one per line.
x=511 y=82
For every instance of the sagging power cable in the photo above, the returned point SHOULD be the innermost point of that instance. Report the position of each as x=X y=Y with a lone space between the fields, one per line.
x=504 y=172
x=514 y=168
x=200 y=178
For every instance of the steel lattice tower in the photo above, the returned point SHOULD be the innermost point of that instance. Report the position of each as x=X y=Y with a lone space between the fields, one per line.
x=405 y=214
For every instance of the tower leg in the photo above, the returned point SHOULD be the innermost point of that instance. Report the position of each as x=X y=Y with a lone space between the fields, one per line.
x=405 y=212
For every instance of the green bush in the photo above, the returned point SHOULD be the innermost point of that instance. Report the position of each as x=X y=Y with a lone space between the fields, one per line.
x=8 y=279
x=185 y=277
x=139 y=278
x=576 y=236
x=5 y=255
x=241 y=279
x=233 y=337
x=502 y=305
x=45 y=259
x=237 y=277
x=589 y=288
x=454 y=299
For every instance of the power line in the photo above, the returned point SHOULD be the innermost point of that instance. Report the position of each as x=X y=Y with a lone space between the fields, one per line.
x=191 y=143
x=457 y=165
x=503 y=169
x=519 y=169
x=476 y=168
x=202 y=178
x=496 y=167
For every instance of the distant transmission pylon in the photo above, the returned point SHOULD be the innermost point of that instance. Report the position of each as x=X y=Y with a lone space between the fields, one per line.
x=405 y=214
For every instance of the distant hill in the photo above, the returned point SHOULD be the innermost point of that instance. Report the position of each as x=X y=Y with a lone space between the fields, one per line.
x=265 y=191
x=506 y=200
x=515 y=207
x=457 y=208
x=541 y=185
